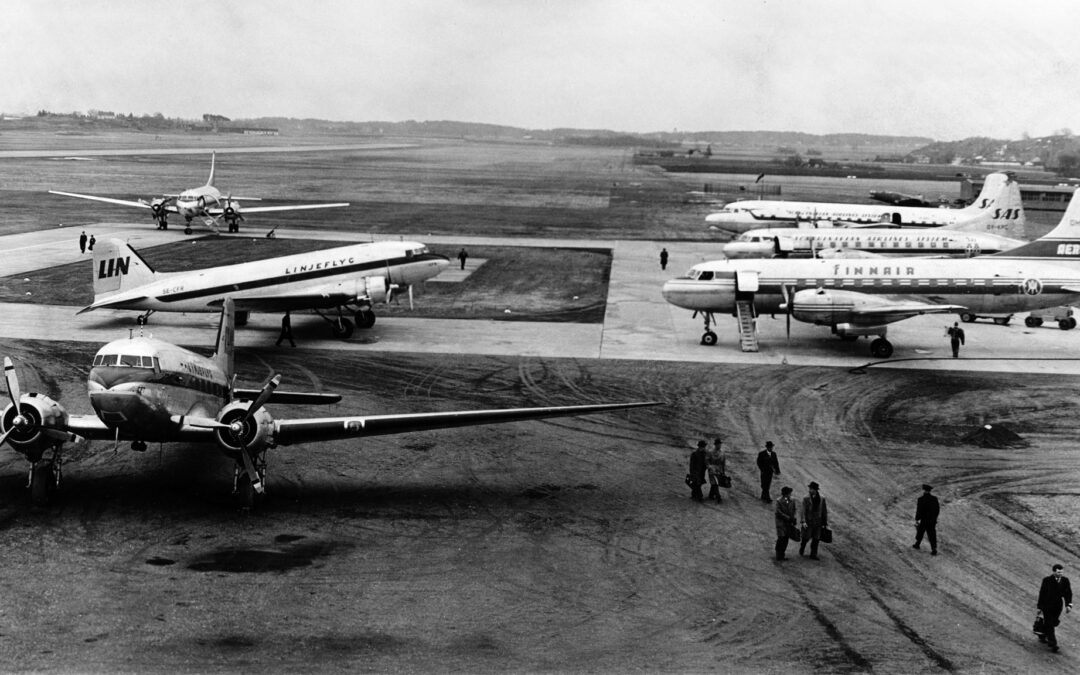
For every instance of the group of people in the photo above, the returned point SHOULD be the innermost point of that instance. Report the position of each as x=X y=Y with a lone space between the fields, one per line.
x=711 y=463
x=86 y=243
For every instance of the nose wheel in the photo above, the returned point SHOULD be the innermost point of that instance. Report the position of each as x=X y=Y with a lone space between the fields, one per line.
x=708 y=338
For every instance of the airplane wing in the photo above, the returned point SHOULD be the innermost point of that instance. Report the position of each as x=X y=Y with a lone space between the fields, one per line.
x=889 y=309
x=294 y=397
x=109 y=200
x=217 y=210
x=289 y=432
x=89 y=427
x=287 y=303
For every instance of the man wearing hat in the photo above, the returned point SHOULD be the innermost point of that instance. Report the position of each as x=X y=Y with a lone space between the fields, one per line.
x=785 y=522
x=769 y=466
x=1055 y=594
x=815 y=515
x=696 y=477
x=926 y=513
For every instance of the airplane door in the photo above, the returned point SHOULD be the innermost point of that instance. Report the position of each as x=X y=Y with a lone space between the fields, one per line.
x=746 y=281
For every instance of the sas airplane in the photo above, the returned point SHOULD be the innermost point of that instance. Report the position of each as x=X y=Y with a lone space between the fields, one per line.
x=745 y=215
x=147 y=390
x=205 y=201
x=979 y=235
x=861 y=297
x=338 y=278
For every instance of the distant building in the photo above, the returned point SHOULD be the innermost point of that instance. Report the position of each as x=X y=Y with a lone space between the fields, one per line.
x=1035 y=196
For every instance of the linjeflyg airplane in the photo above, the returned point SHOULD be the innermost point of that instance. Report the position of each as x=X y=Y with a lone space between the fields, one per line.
x=148 y=390
x=982 y=234
x=861 y=297
x=357 y=276
x=205 y=201
x=995 y=197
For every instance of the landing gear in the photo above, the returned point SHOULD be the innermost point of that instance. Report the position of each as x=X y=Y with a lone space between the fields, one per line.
x=187 y=225
x=365 y=318
x=708 y=338
x=247 y=496
x=341 y=328
x=44 y=478
x=881 y=348
x=138 y=446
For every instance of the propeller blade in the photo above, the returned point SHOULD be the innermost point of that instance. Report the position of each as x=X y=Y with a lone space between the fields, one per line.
x=6 y=434
x=263 y=397
x=249 y=467
x=12 y=383
x=410 y=298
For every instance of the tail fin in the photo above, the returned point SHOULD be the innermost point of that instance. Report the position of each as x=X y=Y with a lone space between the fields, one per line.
x=1060 y=244
x=118 y=267
x=213 y=157
x=223 y=352
x=1005 y=215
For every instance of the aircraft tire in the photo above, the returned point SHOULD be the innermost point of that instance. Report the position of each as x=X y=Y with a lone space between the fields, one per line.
x=42 y=482
x=1033 y=322
x=342 y=329
x=881 y=348
x=365 y=318
x=709 y=338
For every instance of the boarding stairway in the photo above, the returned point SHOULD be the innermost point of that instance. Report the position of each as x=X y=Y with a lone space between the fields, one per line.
x=744 y=310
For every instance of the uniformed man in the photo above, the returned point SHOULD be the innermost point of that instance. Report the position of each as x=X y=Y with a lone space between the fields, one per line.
x=926 y=515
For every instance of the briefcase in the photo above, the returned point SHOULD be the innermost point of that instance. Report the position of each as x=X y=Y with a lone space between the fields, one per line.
x=725 y=480
x=1040 y=627
x=826 y=535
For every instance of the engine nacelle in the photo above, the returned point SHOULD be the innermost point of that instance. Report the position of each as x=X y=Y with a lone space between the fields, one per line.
x=28 y=436
x=826 y=307
x=373 y=289
x=256 y=434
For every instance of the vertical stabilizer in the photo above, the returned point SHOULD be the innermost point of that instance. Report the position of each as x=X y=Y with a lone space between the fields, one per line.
x=1005 y=215
x=223 y=351
x=117 y=267
x=1059 y=244
x=210 y=180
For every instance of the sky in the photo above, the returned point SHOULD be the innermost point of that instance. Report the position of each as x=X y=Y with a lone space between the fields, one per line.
x=944 y=69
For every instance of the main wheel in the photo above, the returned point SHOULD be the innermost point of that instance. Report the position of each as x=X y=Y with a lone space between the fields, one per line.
x=967 y=317
x=341 y=328
x=42 y=483
x=1033 y=322
x=881 y=348
x=709 y=338
x=365 y=318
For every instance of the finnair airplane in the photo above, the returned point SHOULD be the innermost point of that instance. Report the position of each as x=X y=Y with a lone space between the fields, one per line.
x=356 y=276
x=147 y=390
x=205 y=201
x=861 y=297
x=995 y=197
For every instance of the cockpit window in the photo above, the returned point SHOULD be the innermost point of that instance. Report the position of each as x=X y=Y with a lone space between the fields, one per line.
x=105 y=360
x=701 y=275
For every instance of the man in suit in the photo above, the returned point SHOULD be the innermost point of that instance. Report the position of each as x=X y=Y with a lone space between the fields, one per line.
x=926 y=515
x=1054 y=594
x=769 y=466
x=697 y=471
x=815 y=515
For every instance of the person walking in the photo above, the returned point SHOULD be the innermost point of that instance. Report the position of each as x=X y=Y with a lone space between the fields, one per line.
x=286 y=331
x=82 y=242
x=716 y=462
x=768 y=465
x=462 y=256
x=926 y=515
x=696 y=477
x=786 y=523
x=956 y=338
x=663 y=258
x=90 y=244
x=815 y=515
x=1054 y=594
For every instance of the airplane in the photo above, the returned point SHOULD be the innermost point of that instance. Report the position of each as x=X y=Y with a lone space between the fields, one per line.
x=740 y=216
x=979 y=235
x=356 y=275
x=861 y=297
x=205 y=201
x=145 y=390
x=899 y=198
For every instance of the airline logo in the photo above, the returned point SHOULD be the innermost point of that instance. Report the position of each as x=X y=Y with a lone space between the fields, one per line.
x=113 y=267
x=1032 y=287
x=1068 y=249
x=1006 y=214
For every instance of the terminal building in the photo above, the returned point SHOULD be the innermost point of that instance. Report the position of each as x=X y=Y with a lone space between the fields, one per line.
x=1036 y=196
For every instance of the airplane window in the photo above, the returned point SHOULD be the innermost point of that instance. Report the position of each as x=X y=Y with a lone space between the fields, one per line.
x=705 y=276
x=146 y=362
x=126 y=360
x=97 y=360
x=108 y=359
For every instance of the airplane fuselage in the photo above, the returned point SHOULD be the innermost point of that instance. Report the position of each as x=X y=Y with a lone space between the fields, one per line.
x=142 y=387
x=979 y=284
x=316 y=279
x=745 y=215
x=885 y=242
x=194 y=202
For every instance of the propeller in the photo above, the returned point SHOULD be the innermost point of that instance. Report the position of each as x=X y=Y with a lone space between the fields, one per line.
x=789 y=306
x=238 y=426
x=19 y=421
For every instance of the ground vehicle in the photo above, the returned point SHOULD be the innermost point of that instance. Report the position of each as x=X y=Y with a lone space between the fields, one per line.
x=999 y=319
x=1063 y=316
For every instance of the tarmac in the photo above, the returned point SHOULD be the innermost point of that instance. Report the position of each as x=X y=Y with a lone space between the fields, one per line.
x=638 y=324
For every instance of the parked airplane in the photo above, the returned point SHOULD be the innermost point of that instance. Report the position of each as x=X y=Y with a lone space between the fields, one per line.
x=358 y=275
x=861 y=297
x=147 y=390
x=899 y=198
x=996 y=197
x=979 y=235
x=205 y=201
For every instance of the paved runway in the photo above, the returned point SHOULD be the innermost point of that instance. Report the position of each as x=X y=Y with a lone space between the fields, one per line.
x=638 y=324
